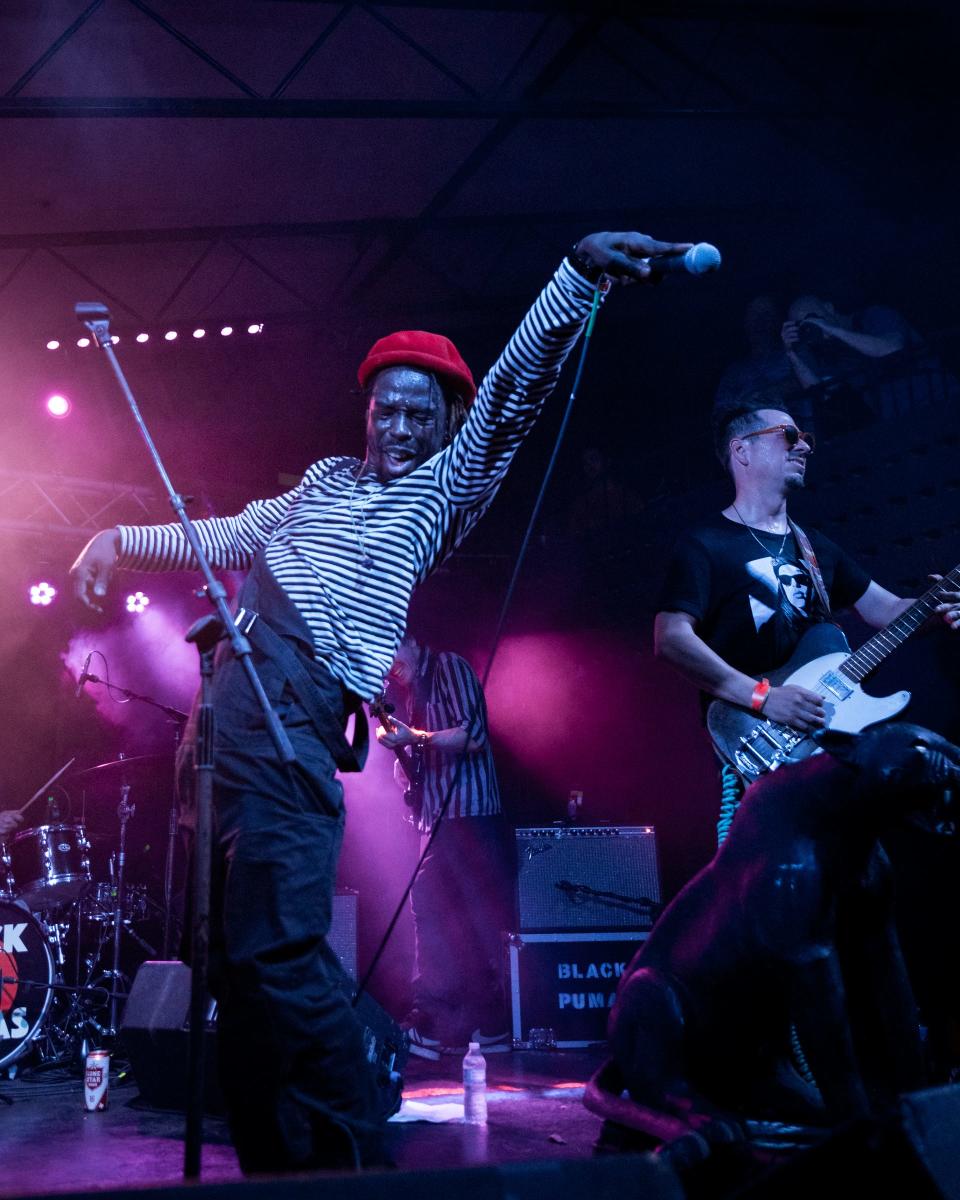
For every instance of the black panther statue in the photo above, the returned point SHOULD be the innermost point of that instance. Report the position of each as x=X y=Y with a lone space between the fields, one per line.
x=787 y=933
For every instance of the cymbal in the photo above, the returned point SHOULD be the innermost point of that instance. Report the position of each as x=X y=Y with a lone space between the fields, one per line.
x=136 y=762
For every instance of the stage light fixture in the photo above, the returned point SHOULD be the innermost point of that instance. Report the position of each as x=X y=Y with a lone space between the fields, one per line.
x=170 y=335
x=199 y=333
x=42 y=593
x=83 y=343
x=137 y=602
x=53 y=344
x=58 y=406
x=255 y=328
x=114 y=338
x=226 y=331
x=143 y=337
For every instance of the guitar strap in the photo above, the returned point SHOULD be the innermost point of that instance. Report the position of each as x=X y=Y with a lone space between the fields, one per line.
x=810 y=561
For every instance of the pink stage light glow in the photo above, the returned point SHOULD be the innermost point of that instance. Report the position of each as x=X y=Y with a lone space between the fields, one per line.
x=199 y=333
x=255 y=328
x=58 y=406
x=143 y=337
x=148 y=654
x=170 y=335
x=42 y=593
x=226 y=331
x=53 y=344
x=137 y=602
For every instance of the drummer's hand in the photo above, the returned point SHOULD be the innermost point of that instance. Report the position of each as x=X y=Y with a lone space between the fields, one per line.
x=94 y=568
x=8 y=822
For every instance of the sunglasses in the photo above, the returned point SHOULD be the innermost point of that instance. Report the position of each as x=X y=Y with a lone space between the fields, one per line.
x=791 y=435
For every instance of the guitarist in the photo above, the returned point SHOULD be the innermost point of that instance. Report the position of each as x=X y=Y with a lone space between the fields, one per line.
x=463 y=896
x=741 y=588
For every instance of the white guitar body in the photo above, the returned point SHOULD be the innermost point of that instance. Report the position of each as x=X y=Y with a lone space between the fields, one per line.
x=849 y=709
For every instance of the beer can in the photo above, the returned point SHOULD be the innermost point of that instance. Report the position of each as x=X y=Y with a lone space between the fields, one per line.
x=96 y=1081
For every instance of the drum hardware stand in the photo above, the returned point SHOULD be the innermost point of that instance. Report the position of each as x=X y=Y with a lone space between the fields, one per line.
x=125 y=810
x=178 y=719
x=205 y=635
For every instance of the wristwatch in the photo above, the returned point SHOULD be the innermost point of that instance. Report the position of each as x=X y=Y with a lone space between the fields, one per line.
x=590 y=271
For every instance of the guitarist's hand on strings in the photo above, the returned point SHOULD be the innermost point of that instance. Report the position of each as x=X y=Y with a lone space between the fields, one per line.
x=398 y=735
x=950 y=607
x=792 y=705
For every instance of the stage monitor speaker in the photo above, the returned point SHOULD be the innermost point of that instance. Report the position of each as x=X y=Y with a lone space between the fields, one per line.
x=914 y=1152
x=154 y=1034
x=587 y=877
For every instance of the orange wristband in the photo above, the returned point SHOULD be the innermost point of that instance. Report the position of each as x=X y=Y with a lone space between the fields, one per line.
x=760 y=693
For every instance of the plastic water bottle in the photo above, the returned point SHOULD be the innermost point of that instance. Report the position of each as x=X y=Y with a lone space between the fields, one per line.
x=474 y=1086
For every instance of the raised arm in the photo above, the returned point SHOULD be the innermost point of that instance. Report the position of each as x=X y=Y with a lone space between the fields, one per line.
x=513 y=391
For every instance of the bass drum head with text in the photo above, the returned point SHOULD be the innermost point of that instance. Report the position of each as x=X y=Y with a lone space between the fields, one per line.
x=26 y=975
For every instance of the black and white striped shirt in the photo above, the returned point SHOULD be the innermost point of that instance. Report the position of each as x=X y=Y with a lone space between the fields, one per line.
x=319 y=535
x=456 y=699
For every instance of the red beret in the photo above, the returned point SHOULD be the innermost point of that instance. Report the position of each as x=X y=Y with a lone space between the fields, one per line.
x=429 y=351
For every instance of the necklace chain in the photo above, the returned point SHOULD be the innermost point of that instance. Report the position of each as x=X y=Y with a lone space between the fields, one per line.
x=766 y=549
x=359 y=529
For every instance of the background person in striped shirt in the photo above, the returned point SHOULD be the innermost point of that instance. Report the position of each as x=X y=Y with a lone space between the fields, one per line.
x=463 y=897
x=332 y=566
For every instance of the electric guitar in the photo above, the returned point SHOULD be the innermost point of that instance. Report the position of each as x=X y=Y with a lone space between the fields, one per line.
x=822 y=662
x=411 y=764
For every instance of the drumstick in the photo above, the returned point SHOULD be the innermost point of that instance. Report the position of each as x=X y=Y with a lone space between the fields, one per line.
x=39 y=792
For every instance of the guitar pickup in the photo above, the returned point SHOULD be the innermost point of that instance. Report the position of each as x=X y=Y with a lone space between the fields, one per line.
x=836 y=685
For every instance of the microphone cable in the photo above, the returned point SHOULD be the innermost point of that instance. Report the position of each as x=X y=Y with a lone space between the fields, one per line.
x=600 y=290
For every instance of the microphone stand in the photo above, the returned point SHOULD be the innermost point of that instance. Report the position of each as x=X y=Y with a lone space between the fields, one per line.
x=96 y=318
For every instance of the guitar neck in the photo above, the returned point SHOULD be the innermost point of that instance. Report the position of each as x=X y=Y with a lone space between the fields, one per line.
x=872 y=653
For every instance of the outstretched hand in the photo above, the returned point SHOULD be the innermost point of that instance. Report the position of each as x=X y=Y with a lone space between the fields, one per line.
x=622 y=255
x=94 y=567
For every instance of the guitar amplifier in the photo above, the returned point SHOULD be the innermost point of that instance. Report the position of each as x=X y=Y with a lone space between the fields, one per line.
x=342 y=937
x=587 y=877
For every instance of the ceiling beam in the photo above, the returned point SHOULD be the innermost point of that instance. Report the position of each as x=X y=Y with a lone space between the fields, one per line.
x=360 y=226
x=474 y=108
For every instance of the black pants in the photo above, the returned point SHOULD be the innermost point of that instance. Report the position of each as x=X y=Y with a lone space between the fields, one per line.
x=462 y=902
x=298 y=1088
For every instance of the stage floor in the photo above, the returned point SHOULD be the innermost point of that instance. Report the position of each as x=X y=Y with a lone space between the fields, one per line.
x=48 y=1143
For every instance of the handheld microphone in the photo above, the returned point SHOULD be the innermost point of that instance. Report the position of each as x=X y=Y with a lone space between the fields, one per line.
x=84 y=676
x=698 y=260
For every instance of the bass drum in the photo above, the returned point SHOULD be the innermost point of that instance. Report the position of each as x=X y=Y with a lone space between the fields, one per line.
x=26 y=978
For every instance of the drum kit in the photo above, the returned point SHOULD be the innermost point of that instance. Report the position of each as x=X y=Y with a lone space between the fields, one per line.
x=62 y=931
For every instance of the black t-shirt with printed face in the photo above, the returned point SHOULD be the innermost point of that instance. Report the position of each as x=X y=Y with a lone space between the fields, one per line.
x=752 y=601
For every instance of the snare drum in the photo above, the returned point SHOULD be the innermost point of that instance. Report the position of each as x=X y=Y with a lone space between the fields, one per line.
x=50 y=864
x=26 y=976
